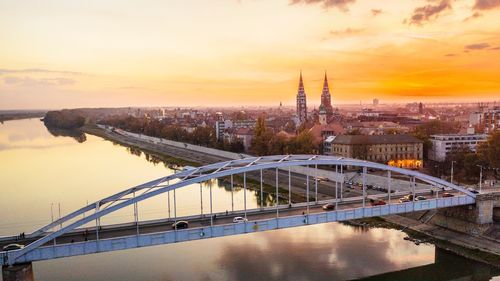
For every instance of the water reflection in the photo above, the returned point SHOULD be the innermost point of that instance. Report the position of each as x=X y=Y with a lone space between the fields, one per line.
x=338 y=253
x=97 y=169
x=77 y=135
x=320 y=252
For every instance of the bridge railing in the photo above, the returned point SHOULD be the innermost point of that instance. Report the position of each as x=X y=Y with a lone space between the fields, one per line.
x=191 y=176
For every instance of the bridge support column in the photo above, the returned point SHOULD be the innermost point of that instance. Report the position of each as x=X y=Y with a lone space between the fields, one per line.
x=18 y=272
x=472 y=219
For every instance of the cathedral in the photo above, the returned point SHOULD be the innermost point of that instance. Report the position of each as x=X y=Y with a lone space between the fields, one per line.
x=326 y=109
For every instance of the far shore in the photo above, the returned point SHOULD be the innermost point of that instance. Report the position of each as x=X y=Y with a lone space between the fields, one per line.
x=21 y=114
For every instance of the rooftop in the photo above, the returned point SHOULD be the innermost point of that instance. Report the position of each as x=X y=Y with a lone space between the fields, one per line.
x=375 y=139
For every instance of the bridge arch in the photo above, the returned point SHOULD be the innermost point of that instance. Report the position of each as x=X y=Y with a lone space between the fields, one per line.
x=192 y=175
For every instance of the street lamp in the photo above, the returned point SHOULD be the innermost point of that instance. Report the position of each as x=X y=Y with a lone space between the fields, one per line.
x=480 y=177
x=452 y=162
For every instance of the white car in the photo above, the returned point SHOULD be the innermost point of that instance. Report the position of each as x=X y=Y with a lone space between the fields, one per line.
x=239 y=219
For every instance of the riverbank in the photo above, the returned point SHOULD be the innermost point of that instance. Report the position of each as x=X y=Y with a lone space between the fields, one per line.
x=18 y=115
x=478 y=248
x=185 y=157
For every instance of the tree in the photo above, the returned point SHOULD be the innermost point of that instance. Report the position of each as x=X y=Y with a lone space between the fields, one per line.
x=261 y=138
x=278 y=145
x=303 y=143
x=424 y=131
x=492 y=150
x=360 y=151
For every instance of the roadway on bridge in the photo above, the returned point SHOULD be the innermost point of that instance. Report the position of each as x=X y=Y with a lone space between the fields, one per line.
x=130 y=229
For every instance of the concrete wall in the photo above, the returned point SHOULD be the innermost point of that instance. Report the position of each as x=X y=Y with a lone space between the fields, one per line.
x=225 y=154
x=472 y=219
x=18 y=272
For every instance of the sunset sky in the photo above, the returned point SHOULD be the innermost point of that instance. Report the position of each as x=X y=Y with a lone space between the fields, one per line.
x=56 y=54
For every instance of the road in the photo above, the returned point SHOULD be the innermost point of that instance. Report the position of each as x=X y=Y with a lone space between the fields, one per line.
x=127 y=229
x=326 y=189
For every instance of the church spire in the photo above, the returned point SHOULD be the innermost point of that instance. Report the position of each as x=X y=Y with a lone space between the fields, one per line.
x=301 y=101
x=301 y=84
x=326 y=99
x=325 y=83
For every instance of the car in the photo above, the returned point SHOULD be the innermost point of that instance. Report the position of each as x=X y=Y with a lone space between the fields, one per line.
x=472 y=190
x=407 y=198
x=12 y=247
x=322 y=179
x=446 y=194
x=420 y=198
x=239 y=219
x=377 y=202
x=404 y=200
x=328 y=207
x=180 y=225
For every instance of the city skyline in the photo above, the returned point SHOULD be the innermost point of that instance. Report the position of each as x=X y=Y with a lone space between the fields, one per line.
x=218 y=54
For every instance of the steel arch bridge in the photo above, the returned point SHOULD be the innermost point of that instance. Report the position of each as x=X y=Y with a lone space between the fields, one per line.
x=41 y=247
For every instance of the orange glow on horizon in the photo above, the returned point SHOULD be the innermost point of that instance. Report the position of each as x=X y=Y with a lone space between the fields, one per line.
x=243 y=53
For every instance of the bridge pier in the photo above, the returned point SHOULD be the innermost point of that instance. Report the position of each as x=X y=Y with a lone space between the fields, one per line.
x=18 y=272
x=471 y=219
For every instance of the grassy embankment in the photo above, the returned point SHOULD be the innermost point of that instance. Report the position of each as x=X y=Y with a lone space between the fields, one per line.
x=252 y=184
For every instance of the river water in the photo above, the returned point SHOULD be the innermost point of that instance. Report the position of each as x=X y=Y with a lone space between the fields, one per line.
x=42 y=172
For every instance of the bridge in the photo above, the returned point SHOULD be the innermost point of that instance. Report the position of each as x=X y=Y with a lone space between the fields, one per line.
x=73 y=234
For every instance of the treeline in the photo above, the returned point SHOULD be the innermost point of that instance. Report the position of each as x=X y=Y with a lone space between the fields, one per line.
x=64 y=119
x=204 y=136
x=265 y=142
x=424 y=131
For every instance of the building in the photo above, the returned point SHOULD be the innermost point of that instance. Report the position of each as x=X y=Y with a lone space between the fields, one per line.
x=476 y=118
x=246 y=136
x=219 y=129
x=443 y=145
x=321 y=132
x=221 y=126
x=301 y=102
x=403 y=151
x=322 y=115
x=326 y=99
x=491 y=120
x=377 y=128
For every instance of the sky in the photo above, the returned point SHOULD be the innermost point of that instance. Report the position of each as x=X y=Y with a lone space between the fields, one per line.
x=66 y=54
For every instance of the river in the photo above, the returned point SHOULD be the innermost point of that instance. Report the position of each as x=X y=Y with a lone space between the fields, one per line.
x=43 y=172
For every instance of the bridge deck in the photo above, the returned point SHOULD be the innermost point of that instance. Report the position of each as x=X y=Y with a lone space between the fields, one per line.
x=125 y=236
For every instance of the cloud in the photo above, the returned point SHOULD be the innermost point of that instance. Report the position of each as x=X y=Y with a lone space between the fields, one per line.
x=477 y=46
x=473 y=16
x=486 y=4
x=450 y=55
x=347 y=31
x=428 y=12
x=376 y=12
x=33 y=82
x=339 y=4
x=37 y=70
x=495 y=48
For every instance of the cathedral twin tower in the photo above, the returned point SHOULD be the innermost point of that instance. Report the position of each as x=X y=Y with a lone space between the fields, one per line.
x=326 y=102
